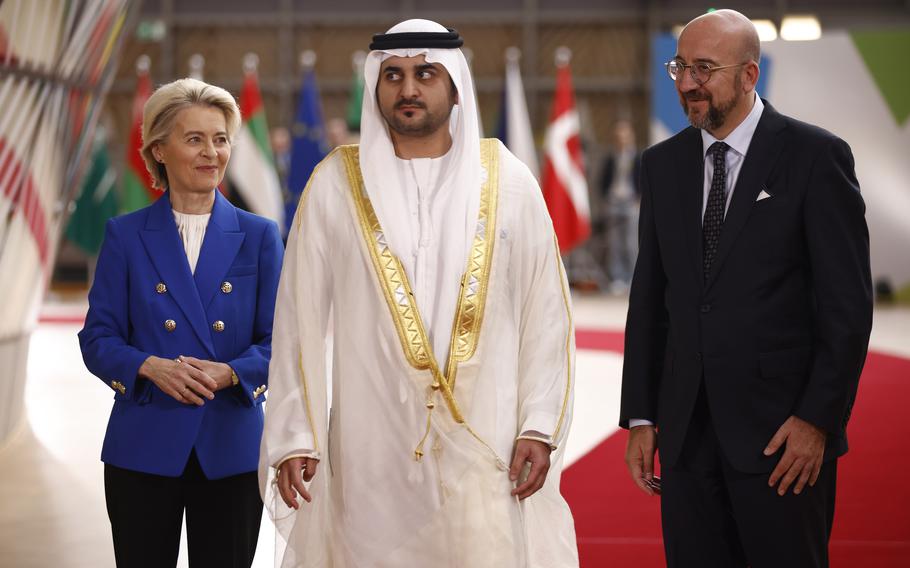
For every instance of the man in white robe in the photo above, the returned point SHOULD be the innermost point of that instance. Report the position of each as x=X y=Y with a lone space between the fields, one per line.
x=422 y=275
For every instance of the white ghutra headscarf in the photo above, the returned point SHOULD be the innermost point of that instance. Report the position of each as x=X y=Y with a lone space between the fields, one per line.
x=463 y=171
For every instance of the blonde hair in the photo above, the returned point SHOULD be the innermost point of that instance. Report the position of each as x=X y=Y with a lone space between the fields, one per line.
x=163 y=106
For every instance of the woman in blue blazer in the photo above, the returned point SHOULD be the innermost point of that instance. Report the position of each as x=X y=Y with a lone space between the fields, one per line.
x=179 y=327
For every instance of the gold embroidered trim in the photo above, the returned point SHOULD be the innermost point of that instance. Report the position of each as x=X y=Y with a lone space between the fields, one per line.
x=475 y=282
x=395 y=284
x=565 y=298
x=397 y=289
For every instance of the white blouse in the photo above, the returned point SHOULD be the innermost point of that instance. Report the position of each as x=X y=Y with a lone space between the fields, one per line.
x=192 y=231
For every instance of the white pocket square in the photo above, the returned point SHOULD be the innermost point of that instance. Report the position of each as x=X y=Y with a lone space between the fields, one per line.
x=763 y=195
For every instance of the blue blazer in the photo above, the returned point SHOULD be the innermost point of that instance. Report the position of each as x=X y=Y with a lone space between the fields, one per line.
x=146 y=301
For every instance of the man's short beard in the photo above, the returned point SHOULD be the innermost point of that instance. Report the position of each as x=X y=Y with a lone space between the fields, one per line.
x=714 y=118
x=431 y=122
x=717 y=114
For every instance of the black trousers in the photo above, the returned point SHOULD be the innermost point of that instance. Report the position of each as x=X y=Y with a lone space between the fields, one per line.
x=715 y=516
x=146 y=513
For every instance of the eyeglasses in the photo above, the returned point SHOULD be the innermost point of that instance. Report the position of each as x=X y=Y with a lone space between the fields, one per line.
x=700 y=72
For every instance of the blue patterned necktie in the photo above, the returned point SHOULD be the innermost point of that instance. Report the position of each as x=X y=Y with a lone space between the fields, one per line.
x=714 y=211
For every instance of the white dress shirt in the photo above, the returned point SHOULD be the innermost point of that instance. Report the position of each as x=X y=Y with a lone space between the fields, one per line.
x=739 y=141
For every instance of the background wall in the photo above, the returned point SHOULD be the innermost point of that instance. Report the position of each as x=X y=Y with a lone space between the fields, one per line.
x=616 y=68
x=858 y=87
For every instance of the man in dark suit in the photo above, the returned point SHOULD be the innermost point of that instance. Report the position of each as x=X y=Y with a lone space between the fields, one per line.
x=749 y=315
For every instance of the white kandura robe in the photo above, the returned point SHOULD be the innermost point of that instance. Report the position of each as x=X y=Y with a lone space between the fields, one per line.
x=373 y=503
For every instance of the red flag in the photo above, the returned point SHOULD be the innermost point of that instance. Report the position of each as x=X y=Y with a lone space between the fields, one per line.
x=137 y=182
x=565 y=188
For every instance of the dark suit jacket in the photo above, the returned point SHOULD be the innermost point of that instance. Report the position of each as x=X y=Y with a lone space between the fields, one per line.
x=149 y=431
x=781 y=327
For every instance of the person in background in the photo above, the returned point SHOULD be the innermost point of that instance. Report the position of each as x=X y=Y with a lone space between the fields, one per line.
x=179 y=327
x=280 y=140
x=337 y=133
x=619 y=202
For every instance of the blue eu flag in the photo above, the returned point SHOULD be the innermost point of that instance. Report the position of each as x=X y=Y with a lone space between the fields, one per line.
x=308 y=146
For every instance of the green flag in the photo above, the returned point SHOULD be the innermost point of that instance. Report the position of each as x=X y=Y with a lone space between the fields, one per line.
x=97 y=201
x=355 y=101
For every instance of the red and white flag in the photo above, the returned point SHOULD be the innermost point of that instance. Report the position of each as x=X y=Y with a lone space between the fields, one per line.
x=565 y=188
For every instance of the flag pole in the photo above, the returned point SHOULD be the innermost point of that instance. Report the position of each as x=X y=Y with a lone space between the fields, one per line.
x=196 y=64
x=143 y=64
x=563 y=56
x=307 y=59
x=358 y=59
x=250 y=63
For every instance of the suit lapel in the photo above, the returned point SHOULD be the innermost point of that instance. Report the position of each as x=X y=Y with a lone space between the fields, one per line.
x=691 y=195
x=763 y=153
x=165 y=249
x=219 y=248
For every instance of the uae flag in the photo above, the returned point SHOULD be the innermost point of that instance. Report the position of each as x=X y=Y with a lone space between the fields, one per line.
x=137 y=182
x=252 y=169
x=565 y=188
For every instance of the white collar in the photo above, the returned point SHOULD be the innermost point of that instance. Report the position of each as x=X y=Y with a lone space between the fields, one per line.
x=741 y=136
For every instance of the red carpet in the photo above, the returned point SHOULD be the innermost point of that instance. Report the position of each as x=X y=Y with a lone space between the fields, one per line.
x=617 y=525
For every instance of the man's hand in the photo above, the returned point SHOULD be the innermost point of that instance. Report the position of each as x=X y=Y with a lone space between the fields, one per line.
x=538 y=455
x=640 y=456
x=291 y=476
x=802 y=459
x=220 y=372
x=178 y=379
